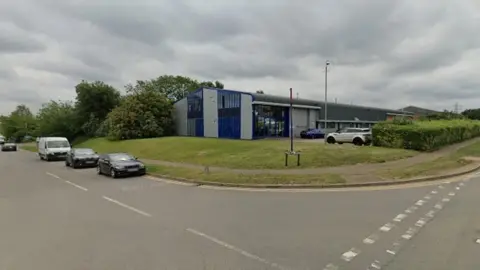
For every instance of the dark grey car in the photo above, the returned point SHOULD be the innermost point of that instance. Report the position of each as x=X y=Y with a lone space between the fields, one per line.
x=120 y=164
x=81 y=157
x=9 y=147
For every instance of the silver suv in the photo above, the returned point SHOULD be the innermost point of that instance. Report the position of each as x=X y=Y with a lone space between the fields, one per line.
x=357 y=136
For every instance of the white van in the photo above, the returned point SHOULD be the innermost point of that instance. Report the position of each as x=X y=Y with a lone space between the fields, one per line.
x=53 y=148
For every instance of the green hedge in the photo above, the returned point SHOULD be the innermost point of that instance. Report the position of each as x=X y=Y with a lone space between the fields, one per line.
x=424 y=135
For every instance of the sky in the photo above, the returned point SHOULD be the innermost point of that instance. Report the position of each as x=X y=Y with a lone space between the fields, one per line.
x=388 y=54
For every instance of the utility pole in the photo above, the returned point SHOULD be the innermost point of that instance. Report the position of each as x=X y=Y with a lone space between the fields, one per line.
x=327 y=63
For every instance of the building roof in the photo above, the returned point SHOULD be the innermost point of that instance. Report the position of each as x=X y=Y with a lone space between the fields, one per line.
x=418 y=110
x=309 y=102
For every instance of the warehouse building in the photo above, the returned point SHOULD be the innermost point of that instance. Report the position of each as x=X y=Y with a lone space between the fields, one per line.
x=219 y=113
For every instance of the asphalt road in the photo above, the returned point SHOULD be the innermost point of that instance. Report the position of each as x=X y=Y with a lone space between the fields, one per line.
x=57 y=218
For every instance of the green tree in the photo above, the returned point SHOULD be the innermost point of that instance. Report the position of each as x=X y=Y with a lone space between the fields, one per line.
x=143 y=113
x=93 y=103
x=473 y=114
x=57 y=118
x=173 y=87
x=19 y=123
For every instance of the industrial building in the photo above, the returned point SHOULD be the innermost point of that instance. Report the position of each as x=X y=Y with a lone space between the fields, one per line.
x=219 y=113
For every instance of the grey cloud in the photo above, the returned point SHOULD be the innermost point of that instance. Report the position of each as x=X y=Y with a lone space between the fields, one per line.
x=76 y=71
x=13 y=40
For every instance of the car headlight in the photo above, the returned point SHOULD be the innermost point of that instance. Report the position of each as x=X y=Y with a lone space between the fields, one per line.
x=119 y=167
x=141 y=166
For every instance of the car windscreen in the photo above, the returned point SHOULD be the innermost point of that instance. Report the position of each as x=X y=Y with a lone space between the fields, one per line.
x=120 y=157
x=84 y=152
x=58 y=144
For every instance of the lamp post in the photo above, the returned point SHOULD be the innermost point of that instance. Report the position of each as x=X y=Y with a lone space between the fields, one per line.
x=327 y=63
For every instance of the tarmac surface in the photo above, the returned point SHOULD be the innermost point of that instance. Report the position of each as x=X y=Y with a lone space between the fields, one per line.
x=58 y=218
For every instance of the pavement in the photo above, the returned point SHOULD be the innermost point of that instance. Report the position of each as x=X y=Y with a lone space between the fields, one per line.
x=58 y=218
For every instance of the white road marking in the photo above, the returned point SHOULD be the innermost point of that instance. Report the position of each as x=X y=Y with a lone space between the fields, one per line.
x=477 y=241
x=331 y=267
x=434 y=191
x=462 y=184
x=376 y=265
x=421 y=222
x=399 y=218
x=441 y=187
x=371 y=239
x=391 y=252
x=411 y=209
x=53 y=175
x=409 y=234
x=77 y=186
x=457 y=188
x=238 y=250
x=430 y=214
x=427 y=197
x=420 y=202
x=438 y=206
x=127 y=206
x=162 y=180
x=350 y=255
x=387 y=227
x=451 y=194
x=445 y=199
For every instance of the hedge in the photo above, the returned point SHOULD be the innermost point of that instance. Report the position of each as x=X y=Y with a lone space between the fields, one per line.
x=424 y=135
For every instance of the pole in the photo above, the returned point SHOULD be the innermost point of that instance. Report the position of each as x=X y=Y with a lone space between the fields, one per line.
x=291 y=120
x=325 y=105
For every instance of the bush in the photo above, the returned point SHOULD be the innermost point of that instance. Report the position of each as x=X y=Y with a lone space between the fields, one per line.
x=424 y=135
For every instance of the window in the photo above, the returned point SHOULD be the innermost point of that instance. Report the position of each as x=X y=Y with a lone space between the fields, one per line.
x=57 y=144
x=331 y=125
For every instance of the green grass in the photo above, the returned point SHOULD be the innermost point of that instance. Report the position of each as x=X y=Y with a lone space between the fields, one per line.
x=235 y=178
x=259 y=154
x=29 y=147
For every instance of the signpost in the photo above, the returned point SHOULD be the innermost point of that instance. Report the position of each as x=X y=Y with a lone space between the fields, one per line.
x=291 y=152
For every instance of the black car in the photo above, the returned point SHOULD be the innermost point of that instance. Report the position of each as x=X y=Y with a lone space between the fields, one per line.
x=120 y=164
x=9 y=147
x=81 y=157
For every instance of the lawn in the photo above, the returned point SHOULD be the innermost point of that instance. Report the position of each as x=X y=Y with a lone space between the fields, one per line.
x=29 y=147
x=236 y=178
x=258 y=154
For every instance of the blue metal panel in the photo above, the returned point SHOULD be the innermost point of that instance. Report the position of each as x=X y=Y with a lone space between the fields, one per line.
x=229 y=111
x=199 y=130
x=286 y=118
x=229 y=127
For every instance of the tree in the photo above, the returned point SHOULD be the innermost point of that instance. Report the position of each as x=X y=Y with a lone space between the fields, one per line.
x=19 y=123
x=93 y=103
x=473 y=114
x=173 y=87
x=57 y=118
x=260 y=92
x=143 y=113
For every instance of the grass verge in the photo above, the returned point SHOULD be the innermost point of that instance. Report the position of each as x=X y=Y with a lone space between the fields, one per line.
x=240 y=154
x=28 y=147
x=236 y=178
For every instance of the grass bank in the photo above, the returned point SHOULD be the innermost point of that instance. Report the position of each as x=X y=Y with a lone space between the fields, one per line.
x=29 y=147
x=238 y=154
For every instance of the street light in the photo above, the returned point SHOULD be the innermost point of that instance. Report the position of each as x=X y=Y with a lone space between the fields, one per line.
x=327 y=63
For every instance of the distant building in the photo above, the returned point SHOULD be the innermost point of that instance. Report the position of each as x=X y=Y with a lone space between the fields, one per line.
x=220 y=113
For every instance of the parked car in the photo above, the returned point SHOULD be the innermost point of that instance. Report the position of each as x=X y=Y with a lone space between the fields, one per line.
x=53 y=148
x=9 y=147
x=120 y=164
x=81 y=157
x=357 y=136
x=312 y=133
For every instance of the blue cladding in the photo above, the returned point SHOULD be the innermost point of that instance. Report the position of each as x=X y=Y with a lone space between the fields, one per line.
x=199 y=130
x=195 y=124
x=229 y=111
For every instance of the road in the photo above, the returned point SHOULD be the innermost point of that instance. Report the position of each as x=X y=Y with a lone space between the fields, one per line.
x=57 y=218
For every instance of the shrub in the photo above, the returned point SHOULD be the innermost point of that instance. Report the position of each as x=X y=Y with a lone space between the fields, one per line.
x=424 y=135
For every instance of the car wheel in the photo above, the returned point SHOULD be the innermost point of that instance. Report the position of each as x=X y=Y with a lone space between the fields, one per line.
x=357 y=141
x=113 y=174
x=47 y=158
x=330 y=140
x=98 y=170
x=66 y=164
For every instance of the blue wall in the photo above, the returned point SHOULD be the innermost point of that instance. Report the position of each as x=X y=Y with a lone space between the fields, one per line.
x=195 y=112
x=229 y=111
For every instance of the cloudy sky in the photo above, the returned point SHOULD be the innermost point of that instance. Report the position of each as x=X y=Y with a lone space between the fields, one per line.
x=387 y=53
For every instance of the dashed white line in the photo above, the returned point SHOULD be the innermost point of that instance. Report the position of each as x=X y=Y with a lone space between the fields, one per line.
x=420 y=202
x=399 y=217
x=411 y=209
x=350 y=255
x=421 y=222
x=238 y=250
x=390 y=251
x=430 y=214
x=477 y=241
x=53 y=175
x=461 y=184
x=441 y=187
x=457 y=188
x=387 y=227
x=438 y=206
x=451 y=194
x=445 y=199
x=371 y=239
x=409 y=234
x=376 y=265
x=330 y=267
x=77 y=186
x=427 y=197
x=434 y=191
x=127 y=206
